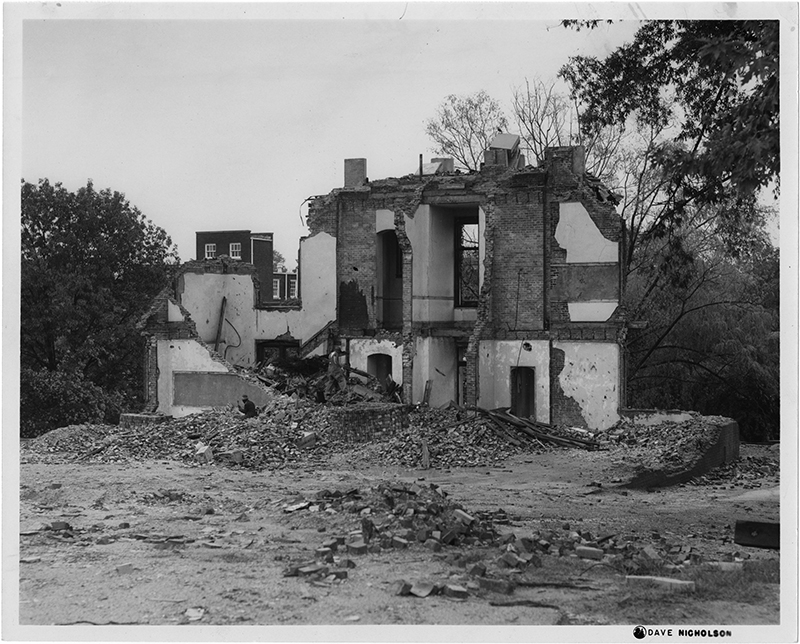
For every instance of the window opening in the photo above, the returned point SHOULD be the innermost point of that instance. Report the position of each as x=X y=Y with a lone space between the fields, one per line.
x=276 y=289
x=467 y=263
x=235 y=250
x=211 y=251
x=292 y=289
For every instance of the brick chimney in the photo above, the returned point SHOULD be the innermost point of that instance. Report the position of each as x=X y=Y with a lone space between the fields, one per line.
x=355 y=172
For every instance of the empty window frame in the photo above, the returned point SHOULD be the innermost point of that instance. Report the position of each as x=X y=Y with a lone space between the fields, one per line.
x=211 y=251
x=467 y=256
x=235 y=250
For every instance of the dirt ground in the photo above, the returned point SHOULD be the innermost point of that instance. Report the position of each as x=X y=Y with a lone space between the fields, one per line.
x=232 y=540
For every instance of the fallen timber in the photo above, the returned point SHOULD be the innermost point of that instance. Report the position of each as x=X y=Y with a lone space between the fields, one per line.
x=510 y=427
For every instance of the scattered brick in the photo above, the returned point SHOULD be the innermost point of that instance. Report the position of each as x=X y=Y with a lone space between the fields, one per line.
x=434 y=545
x=463 y=516
x=422 y=589
x=502 y=586
x=398 y=542
x=455 y=591
x=585 y=552
x=401 y=588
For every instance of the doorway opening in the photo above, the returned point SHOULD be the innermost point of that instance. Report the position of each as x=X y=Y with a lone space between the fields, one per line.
x=523 y=392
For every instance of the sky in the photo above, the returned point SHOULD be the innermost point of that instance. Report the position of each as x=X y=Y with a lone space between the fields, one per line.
x=229 y=116
x=228 y=123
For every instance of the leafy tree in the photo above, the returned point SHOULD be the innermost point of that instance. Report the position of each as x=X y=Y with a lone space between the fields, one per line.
x=464 y=126
x=715 y=82
x=278 y=262
x=91 y=264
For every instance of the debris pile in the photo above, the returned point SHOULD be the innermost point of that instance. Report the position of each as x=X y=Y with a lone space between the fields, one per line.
x=399 y=516
x=667 y=446
x=748 y=471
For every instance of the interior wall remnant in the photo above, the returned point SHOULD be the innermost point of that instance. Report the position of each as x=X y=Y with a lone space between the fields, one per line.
x=181 y=355
x=496 y=360
x=581 y=238
x=589 y=377
x=360 y=349
x=436 y=360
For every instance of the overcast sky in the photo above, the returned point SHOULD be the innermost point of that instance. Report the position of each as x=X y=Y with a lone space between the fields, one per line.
x=229 y=117
x=210 y=124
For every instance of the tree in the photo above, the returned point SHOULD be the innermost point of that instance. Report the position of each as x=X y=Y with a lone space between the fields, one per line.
x=546 y=118
x=91 y=264
x=278 y=262
x=715 y=82
x=464 y=126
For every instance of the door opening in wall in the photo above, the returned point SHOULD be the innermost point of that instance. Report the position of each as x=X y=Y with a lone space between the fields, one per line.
x=390 y=281
x=461 y=371
x=523 y=392
x=380 y=366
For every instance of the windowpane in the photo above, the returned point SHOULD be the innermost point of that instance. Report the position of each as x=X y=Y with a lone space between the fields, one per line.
x=276 y=289
x=211 y=251
x=236 y=250
x=468 y=258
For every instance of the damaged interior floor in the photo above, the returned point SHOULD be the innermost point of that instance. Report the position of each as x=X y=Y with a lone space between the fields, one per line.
x=166 y=543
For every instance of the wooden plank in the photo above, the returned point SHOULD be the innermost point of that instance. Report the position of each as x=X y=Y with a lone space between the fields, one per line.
x=758 y=534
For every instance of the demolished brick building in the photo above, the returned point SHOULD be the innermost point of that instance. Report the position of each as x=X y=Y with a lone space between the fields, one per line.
x=497 y=288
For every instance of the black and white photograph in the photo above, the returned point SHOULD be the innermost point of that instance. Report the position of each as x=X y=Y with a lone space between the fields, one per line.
x=400 y=321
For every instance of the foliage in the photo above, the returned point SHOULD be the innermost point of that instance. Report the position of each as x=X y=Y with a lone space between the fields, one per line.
x=278 y=262
x=91 y=264
x=51 y=399
x=711 y=343
x=715 y=82
x=464 y=126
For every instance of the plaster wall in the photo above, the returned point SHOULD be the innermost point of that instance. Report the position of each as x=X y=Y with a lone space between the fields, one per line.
x=173 y=312
x=431 y=236
x=580 y=237
x=360 y=349
x=590 y=377
x=384 y=220
x=591 y=311
x=496 y=358
x=435 y=360
x=181 y=355
x=318 y=291
x=202 y=296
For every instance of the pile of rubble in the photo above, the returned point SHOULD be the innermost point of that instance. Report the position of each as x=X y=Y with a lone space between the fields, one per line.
x=398 y=516
x=667 y=446
x=747 y=471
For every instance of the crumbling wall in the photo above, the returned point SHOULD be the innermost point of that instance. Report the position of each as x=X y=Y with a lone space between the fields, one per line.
x=518 y=278
x=496 y=360
x=584 y=384
x=360 y=349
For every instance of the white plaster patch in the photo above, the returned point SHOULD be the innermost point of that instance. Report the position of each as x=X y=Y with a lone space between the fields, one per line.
x=384 y=220
x=173 y=312
x=579 y=236
x=590 y=311
x=590 y=377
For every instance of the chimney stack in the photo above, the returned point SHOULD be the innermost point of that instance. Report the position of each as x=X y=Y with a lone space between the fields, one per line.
x=355 y=172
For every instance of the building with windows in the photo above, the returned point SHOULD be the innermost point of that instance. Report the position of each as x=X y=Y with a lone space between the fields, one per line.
x=242 y=245
x=497 y=288
x=285 y=286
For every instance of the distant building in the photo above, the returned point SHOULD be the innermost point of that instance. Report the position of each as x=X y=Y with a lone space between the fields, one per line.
x=284 y=286
x=243 y=245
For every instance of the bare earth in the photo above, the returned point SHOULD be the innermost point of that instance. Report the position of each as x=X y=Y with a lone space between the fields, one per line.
x=235 y=540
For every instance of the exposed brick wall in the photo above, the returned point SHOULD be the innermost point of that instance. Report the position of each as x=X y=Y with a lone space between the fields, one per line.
x=366 y=422
x=518 y=279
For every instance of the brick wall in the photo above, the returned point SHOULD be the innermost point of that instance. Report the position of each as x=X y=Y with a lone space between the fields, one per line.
x=518 y=279
x=366 y=421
